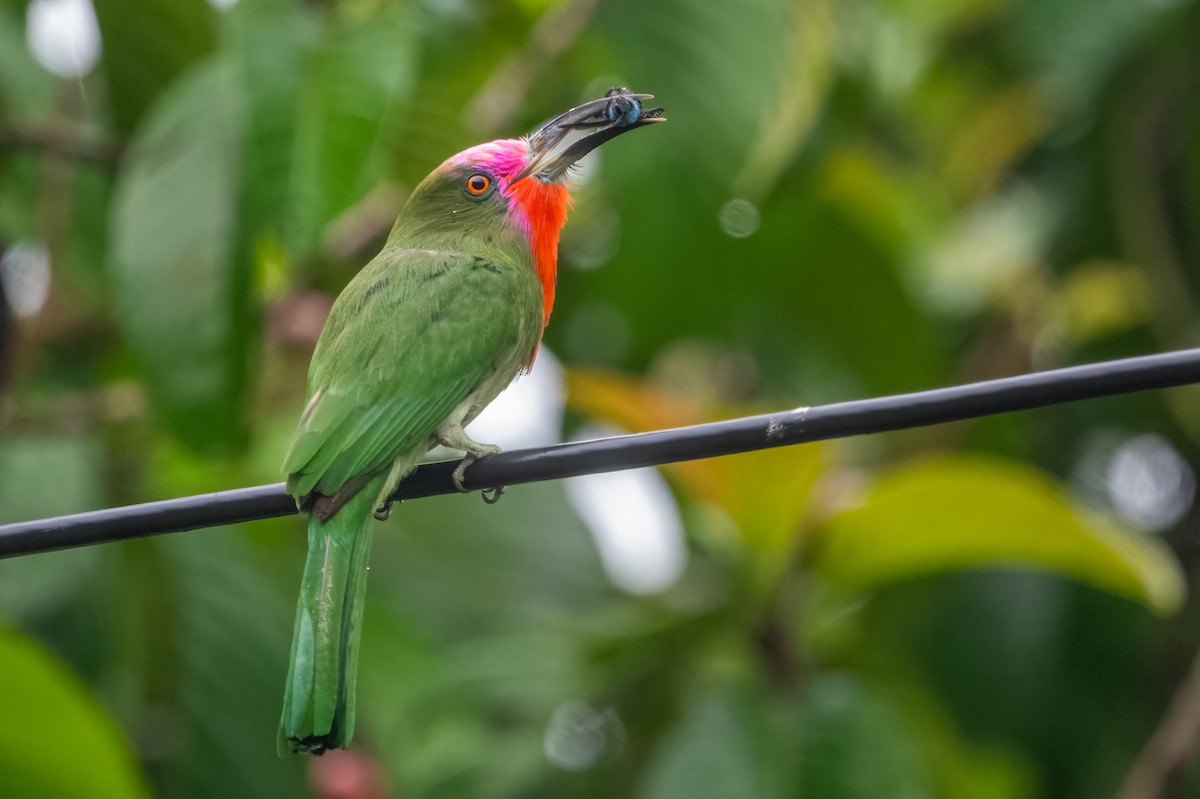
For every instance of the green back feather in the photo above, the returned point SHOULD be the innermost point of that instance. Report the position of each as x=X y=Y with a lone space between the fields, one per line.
x=409 y=340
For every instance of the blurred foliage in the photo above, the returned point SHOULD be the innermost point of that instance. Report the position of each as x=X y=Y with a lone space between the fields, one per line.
x=850 y=199
x=47 y=712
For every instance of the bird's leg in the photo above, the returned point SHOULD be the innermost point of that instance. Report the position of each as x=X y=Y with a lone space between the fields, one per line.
x=383 y=505
x=452 y=435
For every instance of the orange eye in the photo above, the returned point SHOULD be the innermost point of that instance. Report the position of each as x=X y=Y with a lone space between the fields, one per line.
x=478 y=184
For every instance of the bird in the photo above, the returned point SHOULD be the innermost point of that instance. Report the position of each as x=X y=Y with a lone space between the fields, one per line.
x=428 y=333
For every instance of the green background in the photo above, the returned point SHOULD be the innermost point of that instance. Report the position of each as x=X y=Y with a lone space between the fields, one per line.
x=850 y=198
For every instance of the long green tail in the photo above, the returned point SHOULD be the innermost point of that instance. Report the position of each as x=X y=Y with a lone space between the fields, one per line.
x=318 y=701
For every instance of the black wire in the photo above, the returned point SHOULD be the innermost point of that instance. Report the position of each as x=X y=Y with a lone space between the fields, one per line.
x=640 y=449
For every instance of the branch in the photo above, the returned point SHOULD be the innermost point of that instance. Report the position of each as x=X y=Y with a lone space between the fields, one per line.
x=493 y=106
x=838 y=420
x=1172 y=748
x=106 y=154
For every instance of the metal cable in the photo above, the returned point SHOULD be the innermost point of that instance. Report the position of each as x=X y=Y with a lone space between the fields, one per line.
x=796 y=426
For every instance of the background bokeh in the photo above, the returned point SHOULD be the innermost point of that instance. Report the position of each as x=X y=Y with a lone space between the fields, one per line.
x=851 y=198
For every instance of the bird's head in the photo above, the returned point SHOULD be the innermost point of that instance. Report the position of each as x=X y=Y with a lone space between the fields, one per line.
x=518 y=187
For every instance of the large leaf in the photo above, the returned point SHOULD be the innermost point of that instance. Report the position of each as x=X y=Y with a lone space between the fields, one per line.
x=716 y=751
x=720 y=232
x=226 y=629
x=182 y=285
x=639 y=406
x=46 y=477
x=1076 y=43
x=681 y=50
x=473 y=617
x=270 y=43
x=26 y=88
x=765 y=492
x=961 y=512
x=858 y=739
x=349 y=104
x=853 y=744
x=26 y=96
x=56 y=741
x=147 y=44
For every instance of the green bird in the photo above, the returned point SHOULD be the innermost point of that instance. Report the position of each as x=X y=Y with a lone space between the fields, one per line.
x=418 y=343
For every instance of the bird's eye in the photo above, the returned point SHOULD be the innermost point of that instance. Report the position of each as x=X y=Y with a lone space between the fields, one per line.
x=478 y=184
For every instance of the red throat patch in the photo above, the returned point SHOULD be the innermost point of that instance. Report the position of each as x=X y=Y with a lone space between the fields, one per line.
x=544 y=206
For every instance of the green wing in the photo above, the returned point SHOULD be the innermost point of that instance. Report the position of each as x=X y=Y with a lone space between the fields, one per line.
x=409 y=339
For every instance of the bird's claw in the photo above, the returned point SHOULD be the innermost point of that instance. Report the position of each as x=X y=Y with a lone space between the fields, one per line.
x=460 y=472
x=490 y=495
x=383 y=512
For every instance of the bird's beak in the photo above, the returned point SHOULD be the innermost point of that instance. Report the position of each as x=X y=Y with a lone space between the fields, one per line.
x=570 y=136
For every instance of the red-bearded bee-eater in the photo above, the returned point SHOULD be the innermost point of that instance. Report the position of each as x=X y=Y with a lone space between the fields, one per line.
x=418 y=343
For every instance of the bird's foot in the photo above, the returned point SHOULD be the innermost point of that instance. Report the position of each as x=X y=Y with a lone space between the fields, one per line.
x=474 y=453
x=460 y=472
x=383 y=512
x=452 y=435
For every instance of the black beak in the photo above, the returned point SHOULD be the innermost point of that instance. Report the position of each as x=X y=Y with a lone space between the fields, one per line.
x=570 y=136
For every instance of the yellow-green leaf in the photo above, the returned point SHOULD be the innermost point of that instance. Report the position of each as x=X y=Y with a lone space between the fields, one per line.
x=765 y=492
x=56 y=741
x=1104 y=298
x=963 y=512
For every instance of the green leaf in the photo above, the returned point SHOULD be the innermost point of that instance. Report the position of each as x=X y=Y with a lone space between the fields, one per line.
x=56 y=741
x=227 y=634
x=26 y=88
x=270 y=42
x=681 y=51
x=146 y=45
x=1077 y=43
x=715 y=752
x=854 y=745
x=848 y=297
x=962 y=512
x=27 y=94
x=349 y=104
x=46 y=477
x=181 y=284
x=811 y=280
x=856 y=739
x=433 y=706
